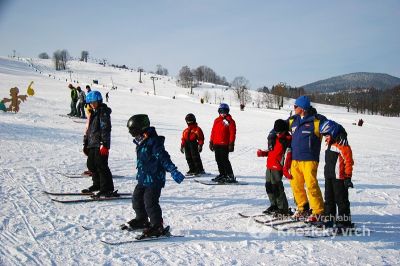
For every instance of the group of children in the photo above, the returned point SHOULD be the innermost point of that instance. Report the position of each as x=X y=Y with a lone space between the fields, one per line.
x=153 y=161
x=78 y=101
x=338 y=168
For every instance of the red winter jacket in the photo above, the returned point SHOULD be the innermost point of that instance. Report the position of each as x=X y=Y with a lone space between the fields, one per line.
x=276 y=157
x=223 y=131
x=191 y=133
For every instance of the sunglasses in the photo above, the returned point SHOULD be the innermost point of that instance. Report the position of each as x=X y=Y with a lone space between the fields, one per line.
x=295 y=106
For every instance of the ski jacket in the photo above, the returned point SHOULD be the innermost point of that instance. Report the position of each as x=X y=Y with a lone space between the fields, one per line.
x=82 y=97
x=223 y=131
x=74 y=95
x=306 y=139
x=99 y=129
x=277 y=155
x=344 y=155
x=193 y=133
x=152 y=160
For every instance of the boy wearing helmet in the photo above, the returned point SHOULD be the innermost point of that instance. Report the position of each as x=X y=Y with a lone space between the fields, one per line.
x=222 y=142
x=96 y=145
x=152 y=163
x=192 y=145
x=337 y=177
x=278 y=164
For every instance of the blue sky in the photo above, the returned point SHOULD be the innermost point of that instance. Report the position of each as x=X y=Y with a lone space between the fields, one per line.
x=267 y=42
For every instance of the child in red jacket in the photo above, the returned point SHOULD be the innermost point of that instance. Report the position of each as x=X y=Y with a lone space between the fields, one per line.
x=222 y=142
x=192 y=145
x=278 y=164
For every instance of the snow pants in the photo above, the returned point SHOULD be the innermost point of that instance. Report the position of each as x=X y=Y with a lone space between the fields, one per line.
x=306 y=172
x=275 y=189
x=74 y=112
x=101 y=174
x=222 y=158
x=336 y=194
x=193 y=157
x=145 y=203
x=81 y=110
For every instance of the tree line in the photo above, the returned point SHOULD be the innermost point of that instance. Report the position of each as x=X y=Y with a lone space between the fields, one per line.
x=364 y=100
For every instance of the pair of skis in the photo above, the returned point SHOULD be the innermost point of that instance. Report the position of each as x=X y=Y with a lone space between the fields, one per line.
x=121 y=196
x=138 y=238
x=304 y=229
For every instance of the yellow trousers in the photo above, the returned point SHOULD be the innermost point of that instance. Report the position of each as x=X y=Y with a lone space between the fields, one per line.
x=306 y=172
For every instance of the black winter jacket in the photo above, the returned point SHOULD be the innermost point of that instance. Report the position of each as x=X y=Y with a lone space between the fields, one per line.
x=99 y=130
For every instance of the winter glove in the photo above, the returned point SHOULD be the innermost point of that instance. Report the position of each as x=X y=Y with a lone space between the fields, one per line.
x=211 y=146
x=348 y=183
x=177 y=176
x=103 y=151
x=182 y=149
x=261 y=153
x=85 y=150
x=287 y=174
x=200 y=148
x=231 y=146
x=85 y=144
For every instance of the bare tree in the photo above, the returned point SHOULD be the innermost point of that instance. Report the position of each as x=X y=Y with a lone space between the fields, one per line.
x=84 y=56
x=240 y=87
x=161 y=70
x=60 y=59
x=44 y=56
x=185 y=77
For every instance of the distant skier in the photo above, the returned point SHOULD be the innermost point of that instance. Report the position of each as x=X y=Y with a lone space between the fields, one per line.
x=278 y=163
x=222 y=142
x=192 y=145
x=107 y=97
x=74 y=100
x=337 y=177
x=81 y=103
x=152 y=163
x=96 y=145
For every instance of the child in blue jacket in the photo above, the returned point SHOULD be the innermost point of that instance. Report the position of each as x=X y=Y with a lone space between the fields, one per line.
x=152 y=163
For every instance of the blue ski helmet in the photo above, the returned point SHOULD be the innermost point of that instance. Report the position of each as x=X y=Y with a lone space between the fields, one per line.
x=331 y=128
x=94 y=96
x=223 y=108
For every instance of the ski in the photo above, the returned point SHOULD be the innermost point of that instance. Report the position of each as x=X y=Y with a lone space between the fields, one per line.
x=212 y=183
x=74 y=175
x=253 y=215
x=277 y=222
x=77 y=193
x=141 y=238
x=91 y=200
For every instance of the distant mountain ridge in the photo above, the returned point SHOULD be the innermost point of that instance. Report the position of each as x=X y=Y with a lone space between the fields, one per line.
x=354 y=80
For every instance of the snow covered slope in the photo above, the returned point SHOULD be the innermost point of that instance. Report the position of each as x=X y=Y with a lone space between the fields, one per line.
x=36 y=144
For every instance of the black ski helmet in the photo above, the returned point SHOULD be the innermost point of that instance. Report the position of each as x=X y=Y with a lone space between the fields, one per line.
x=190 y=118
x=137 y=124
x=280 y=126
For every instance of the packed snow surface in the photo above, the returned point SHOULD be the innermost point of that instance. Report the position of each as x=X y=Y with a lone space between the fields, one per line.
x=37 y=144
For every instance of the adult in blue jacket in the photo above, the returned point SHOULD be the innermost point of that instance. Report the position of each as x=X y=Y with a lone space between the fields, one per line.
x=152 y=163
x=306 y=147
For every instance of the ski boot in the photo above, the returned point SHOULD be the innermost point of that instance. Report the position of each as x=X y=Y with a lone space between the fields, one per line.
x=135 y=224
x=190 y=173
x=270 y=210
x=219 y=179
x=282 y=214
x=230 y=179
x=154 y=231
x=105 y=194
x=301 y=215
x=90 y=189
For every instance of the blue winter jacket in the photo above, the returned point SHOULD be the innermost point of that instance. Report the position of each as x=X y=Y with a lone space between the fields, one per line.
x=152 y=160
x=306 y=145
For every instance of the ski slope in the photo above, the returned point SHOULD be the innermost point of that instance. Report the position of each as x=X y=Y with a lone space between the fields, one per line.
x=37 y=144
